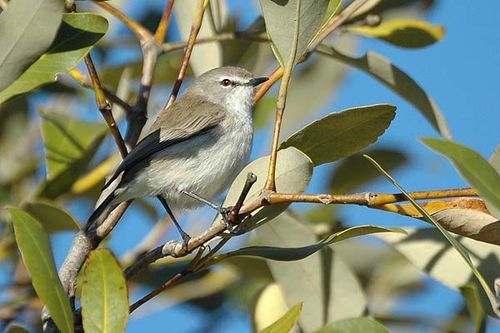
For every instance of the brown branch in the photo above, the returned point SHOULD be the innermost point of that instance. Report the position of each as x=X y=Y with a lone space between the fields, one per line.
x=139 y=31
x=371 y=200
x=157 y=291
x=170 y=248
x=104 y=106
x=195 y=29
x=85 y=82
x=161 y=30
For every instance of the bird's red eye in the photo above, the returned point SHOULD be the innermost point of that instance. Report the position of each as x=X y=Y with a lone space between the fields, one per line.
x=225 y=83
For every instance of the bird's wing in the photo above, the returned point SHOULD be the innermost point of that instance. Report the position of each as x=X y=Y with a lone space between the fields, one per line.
x=172 y=127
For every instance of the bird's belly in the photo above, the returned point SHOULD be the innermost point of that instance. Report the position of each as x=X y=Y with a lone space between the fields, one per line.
x=206 y=172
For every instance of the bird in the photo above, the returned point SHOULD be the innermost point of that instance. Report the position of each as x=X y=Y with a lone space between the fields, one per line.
x=196 y=146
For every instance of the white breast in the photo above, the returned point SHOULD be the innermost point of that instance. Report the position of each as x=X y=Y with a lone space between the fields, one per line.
x=218 y=158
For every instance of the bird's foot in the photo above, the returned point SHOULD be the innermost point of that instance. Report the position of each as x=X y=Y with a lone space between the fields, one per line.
x=185 y=240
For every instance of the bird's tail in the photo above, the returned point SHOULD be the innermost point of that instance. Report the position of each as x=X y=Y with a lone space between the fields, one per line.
x=101 y=212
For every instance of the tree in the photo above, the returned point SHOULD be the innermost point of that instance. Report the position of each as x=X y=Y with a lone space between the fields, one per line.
x=300 y=267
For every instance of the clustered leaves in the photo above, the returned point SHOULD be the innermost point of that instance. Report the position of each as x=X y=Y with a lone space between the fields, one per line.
x=304 y=269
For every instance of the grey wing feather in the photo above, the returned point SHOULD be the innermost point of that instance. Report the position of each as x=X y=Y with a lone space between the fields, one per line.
x=173 y=127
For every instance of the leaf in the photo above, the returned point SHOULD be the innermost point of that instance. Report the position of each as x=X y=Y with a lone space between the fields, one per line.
x=269 y=307
x=15 y=327
x=293 y=173
x=395 y=79
x=471 y=223
x=34 y=246
x=451 y=240
x=76 y=36
x=285 y=323
x=333 y=7
x=31 y=26
x=323 y=281
x=409 y=33
x=495 y=160
x=209 y=55
x=354 y=325
x=473 y=168
x=69 y=146
x=473 y=302
x=298 y=253
x=430 y=252
x=303 y=19
x=354 y=171
x=53 y=217
x=342 y=133
x=104 y=294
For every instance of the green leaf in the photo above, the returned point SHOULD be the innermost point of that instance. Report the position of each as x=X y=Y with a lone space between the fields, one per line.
x=323 y=281
x=395 y=79
x=269 y=304
x=53 y=217
x=430 y=252
x=495 y=160
x=76 y=36
x=104 y=294
x=69 y=146
x=473 y=167
x=34 y=245
x=333 y=7
x=355 y=171
x=303 y=19
x=456 y=245
x=15 y=327
x=293 y=173
x=31 y=27
x=354 y=325
x=298 y=253
x=473 y=302
x=409 y=33
x=285 y=323
x=342 y=133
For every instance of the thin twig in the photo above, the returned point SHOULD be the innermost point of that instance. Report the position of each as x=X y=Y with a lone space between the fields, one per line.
x=84 y=81
x=371 y=200
x=170 y=248
x=195 y=29
x=270 y=184
x=104 y=106
x=161 y=30
x=234 y=214
x=139 y=31
x=158 y=290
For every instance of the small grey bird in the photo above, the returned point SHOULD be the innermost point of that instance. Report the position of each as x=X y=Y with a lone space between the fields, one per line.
x=198 y=145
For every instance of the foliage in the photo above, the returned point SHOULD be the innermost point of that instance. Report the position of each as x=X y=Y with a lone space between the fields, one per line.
x=311 y=270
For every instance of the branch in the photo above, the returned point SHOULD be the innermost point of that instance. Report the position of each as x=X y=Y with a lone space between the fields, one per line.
x=104 y=106
x=195 y=29
x=139 y=31
x=85 y=82
x=161 y=30
x=175 y=249
x=266 y=198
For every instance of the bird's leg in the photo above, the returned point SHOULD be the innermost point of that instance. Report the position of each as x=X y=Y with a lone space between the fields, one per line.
x=223 y=211
x=184 y=235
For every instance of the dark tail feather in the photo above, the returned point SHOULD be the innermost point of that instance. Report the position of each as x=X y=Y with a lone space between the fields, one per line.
x=101 y=212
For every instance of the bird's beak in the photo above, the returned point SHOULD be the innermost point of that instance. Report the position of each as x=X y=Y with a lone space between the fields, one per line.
x=257 y=80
